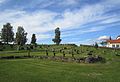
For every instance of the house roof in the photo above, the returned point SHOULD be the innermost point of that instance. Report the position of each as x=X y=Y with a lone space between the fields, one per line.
x=114 y=41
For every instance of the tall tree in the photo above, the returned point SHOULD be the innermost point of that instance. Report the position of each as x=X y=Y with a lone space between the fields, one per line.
x=110 y=38
x=33 y=39
x=96 y=45
x=7 y=34
x=21 y=36
x=57 y=39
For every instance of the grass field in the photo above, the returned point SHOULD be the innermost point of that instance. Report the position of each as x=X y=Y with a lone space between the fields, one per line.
x=43 y=70
x=36 y=70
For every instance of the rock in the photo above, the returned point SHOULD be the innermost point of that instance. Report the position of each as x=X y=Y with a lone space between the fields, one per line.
x=90 y=59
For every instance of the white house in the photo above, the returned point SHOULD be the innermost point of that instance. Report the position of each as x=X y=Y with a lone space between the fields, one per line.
x=114 y=43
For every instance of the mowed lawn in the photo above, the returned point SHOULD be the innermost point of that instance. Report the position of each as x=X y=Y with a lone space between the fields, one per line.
x=36 y=70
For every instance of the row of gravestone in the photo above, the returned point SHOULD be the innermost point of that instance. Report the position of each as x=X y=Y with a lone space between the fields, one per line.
x=89 y=59
x=16 y=57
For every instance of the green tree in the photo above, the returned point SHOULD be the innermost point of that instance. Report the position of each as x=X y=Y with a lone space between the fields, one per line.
x=21 y=36
x=103 y=43
x=57 y=39
x=110 y=38
x=7 y=34
x=33 y=39
x=96 y=45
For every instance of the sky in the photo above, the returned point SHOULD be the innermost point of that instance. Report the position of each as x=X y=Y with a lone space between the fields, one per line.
x=80 y=21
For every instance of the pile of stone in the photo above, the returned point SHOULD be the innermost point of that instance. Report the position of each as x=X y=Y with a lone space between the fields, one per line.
x=94 y=59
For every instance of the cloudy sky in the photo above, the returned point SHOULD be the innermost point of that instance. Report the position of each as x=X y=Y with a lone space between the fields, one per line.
x=80 y=21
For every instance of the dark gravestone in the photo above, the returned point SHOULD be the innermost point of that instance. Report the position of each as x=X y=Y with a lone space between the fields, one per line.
x=63 y=54
x=77 y=51
x=60 y=50
x=72 y=53
x=31 y=47
x=54 y=53
x=46 y=53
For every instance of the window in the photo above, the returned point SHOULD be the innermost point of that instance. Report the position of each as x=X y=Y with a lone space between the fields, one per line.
x=113 y=46
x=117 y=46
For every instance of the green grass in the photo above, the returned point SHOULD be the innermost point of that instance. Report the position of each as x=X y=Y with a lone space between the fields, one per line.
x=36 y=70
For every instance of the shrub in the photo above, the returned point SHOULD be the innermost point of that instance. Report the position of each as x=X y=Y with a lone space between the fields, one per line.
x=22 y=48
x=11 y=46
x=1 y=49
x=46 y=53
x=89 y=53
x=31 y=47
x=65 y=47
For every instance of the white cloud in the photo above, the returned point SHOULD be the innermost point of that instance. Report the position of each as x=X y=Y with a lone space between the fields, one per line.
x=74 y=19
x=43 y=36
x=112 y=2
x=36 y=22
x=47 y=4
x=85 y=42
x=42 y=21
x=68 y=2
x=82 y=31
x=2 y=1
x=103 y=37
x=111 y=20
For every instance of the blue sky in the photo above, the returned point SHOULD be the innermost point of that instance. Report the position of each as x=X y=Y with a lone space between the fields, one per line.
x=80 y=21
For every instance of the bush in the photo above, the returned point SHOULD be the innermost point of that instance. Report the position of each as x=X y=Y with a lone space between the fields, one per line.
x=22 y=48
x=103 y=60
x=31 y=47
x=65 y=47
x=1 y=49
x=89 y=53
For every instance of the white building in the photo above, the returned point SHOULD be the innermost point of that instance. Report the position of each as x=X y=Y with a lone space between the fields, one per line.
x=114 y=43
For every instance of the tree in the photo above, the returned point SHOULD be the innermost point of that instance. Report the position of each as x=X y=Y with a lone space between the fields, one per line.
x=96 y=45
x=21 y=36
x=57 y=39
x=33 y=39
x=110 y=38
x=7 y=34
x=103 y=43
